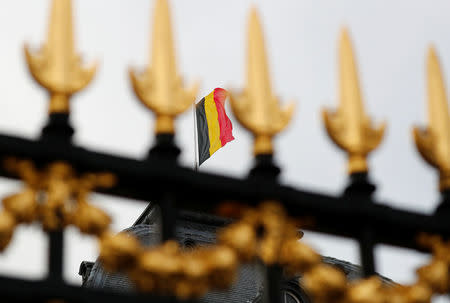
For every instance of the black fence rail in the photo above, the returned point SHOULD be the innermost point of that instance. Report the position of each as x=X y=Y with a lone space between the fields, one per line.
x=158 y=178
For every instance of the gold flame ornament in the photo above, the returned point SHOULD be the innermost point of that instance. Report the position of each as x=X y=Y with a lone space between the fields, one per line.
x=433 y=142
x=256 y=108
x=159 y=87
x=350 y=127
x=56 y=66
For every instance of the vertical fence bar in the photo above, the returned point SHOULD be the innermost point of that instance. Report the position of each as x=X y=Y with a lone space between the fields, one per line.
x=55 y=256
x=274 y=277
x=165 y=150
x=168 y=214
x=265 y=169
x=359 y=193
x=366 y=251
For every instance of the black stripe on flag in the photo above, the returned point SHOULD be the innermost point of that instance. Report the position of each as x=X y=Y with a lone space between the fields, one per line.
x=202 y=132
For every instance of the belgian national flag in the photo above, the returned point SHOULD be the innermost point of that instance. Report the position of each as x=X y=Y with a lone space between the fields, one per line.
x=214 y=128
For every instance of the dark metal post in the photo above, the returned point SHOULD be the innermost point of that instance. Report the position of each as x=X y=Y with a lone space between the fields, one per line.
x=165 y=150
x=55 y=256
x=58 y=128
x=366 y=251
x=265 y=170
x=275 y=278
x=168 y=214
x=57 y=132
x=443 y=209
x=360 y=190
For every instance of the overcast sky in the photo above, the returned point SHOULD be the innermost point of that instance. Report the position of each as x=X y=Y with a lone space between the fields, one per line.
x=390 y=39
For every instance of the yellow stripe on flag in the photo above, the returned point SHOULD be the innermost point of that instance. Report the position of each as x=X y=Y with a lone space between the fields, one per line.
x=213 y=124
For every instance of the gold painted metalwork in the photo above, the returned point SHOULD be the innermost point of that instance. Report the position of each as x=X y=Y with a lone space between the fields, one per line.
x=169 y=269
x=256 y=108
x=118 y=251
x=23 y=205
x=7 y=225
x=433 y=142
x=56 y=66
x=54 y=196
x=159 y=87
x=349 y=127
x=189 y=273
x=296 y=257
x=368 y=290
x=325 y=283
x=264 y=233
x=436 y=273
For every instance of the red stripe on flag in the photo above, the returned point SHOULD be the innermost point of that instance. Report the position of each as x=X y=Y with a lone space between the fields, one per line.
x=226 y=128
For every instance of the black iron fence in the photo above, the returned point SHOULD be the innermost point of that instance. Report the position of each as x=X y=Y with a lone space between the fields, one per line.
x=159 y=179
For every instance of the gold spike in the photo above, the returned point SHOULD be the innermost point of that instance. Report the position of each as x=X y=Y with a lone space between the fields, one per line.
x=159 y=87
x=433 y=142
x=257 y=109
x=56 y=66
x=349 y=127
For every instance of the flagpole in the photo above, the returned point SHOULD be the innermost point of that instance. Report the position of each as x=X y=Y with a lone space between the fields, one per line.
x=195 y=139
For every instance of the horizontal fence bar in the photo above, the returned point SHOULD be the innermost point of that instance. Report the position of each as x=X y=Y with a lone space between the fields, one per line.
x=149 y=178
x=16 y=290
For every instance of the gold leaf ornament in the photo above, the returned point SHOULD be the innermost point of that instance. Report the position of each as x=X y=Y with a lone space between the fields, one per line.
x=56 y=66
x=7 y=225
x=257 y=108
x=349 y=127
x=159 y=87
x=433 y=142
x=119 y=251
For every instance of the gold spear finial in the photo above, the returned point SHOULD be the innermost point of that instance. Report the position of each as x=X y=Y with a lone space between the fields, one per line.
x=56 y=66
x=349 y=127
x=159 y=87
x=433 y=142
x=256 y=108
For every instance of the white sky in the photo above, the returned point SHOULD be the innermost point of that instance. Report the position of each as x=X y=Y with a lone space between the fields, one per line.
x=390 y=39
